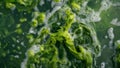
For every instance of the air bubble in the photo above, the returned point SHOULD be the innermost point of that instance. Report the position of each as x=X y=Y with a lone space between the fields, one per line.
x=102 y=65
x=16 y=56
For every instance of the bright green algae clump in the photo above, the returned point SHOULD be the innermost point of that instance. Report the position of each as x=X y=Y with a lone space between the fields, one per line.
x=61 y=39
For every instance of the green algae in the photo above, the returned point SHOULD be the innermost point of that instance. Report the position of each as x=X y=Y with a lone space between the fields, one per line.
x=23 y=25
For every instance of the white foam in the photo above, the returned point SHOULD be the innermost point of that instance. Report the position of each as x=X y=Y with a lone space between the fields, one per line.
x=35 y=49
x=111 y=36
x=23 y=64
x=110 y=33
x=95 y=17
x=115 y=22
x=105 y=4
x=49 y=14
x=91 y=14
x=32 y=30
x=16 y=56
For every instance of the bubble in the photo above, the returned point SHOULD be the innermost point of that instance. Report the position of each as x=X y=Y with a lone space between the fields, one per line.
x=102 y=65
x=106 y=37
x=13 y=45
x=16 y=56
x=17 y=41
x=22 y=43
x=32 y=31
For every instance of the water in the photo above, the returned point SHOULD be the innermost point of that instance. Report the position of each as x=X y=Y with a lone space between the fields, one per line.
x=105 y=19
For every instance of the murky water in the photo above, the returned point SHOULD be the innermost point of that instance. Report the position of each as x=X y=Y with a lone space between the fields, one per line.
x=104 y=15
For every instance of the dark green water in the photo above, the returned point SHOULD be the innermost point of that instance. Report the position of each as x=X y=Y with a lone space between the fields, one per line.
x=22 y=40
